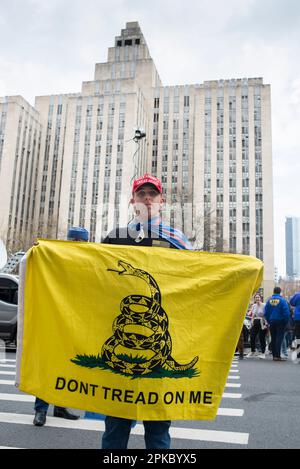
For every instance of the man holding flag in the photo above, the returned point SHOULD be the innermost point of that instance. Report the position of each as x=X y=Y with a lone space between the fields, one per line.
x=146 y=229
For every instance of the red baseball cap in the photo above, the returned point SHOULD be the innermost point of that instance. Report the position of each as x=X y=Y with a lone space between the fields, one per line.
x=147 y=179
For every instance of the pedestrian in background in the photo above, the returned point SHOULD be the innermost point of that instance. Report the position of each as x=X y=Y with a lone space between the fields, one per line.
x=240 y=344
x=288 y=335
x=277 y=314
x=41 y=407
x=295 y=302
x=258 y=327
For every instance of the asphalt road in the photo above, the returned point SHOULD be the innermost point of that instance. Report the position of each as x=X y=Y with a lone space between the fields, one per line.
x=260 y=409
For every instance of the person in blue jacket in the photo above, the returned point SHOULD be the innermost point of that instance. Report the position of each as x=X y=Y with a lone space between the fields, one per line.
x=277 y=314
x=295 y=302
x=75 y=233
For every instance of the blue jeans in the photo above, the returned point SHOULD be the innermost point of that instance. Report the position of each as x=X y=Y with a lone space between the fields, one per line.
x=42 y=406
x=117 y=433
x=277 y=329
x=284 y=345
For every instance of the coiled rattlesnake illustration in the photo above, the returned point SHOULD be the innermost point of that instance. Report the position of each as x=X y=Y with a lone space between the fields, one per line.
x=154 y=318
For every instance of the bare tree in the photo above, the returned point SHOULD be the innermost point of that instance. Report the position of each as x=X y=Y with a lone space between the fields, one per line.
x=204 y=231
x=208 y=233
x=289 y=287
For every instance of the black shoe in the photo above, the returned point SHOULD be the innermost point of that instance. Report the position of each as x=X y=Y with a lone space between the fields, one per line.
x=64 y=413
x=39 y=418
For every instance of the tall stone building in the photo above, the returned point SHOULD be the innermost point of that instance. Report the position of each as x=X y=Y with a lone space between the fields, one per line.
x=292 y=247
x=20 y=142
x=210 y=144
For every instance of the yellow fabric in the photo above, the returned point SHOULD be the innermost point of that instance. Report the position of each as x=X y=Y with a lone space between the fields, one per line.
x=72 y=295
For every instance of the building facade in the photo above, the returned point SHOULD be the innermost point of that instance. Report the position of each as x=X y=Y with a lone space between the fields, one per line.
x=20 y=144
x=210 y=144
x=292 y=247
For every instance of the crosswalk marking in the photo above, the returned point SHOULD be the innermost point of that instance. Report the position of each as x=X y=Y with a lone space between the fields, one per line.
x=210 y=435
x=230 y=412
x=233 y=377
x=4 y=365
x=182 y=433
x=27 y=398
x=10 y=447
x=7 y=382
x=6 y=360
x=228 y=395
x=6 y=372
x=232 y=385
x=16 y=397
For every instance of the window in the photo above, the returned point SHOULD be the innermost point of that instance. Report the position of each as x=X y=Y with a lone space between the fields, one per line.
x=128 y=42
x=119 y=43
x=8 y=291
x=137 y=42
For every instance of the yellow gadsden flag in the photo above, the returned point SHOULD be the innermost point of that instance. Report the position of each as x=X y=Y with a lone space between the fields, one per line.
x=139 y=333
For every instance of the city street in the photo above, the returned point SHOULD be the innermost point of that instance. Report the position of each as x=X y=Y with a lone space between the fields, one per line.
x=149 y=227
x=259 y=409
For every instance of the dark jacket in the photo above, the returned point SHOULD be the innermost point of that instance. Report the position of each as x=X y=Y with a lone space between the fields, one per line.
x=127 y=236
x=295 y=301
x=277 y=309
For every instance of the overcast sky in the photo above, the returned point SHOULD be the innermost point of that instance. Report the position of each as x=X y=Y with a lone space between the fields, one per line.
x=51 y=46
